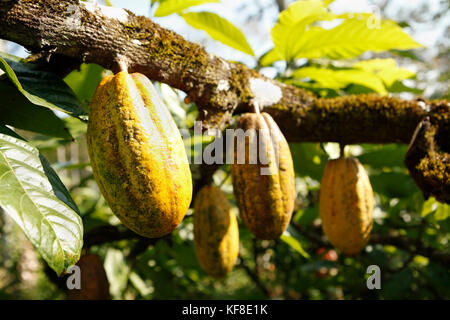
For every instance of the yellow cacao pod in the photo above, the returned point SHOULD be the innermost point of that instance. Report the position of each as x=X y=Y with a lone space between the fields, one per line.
x=93 y=282
x=346 y=205
x=216 y=232
x=265 y=189
x=138 y=156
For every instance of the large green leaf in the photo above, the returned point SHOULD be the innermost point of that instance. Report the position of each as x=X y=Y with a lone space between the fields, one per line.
x=177 y=6
x=36 y=200
x=339 y=79
x=398 y=86
x=19 y=112
x=84 y=81
x=288 y=31
x=219 y=29
x=353 y=37
x=41 y=88
x=288 y=237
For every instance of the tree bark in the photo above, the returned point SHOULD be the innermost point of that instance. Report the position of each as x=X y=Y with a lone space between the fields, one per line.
x=220 y=88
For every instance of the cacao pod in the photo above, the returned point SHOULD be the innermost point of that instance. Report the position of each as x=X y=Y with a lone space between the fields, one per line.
x=94 y=283
x=264 y=189
x=138 y=156
x=216 y=232
x=346 y=205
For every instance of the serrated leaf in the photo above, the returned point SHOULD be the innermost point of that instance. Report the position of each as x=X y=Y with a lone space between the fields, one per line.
x=19 y=112
x=41 y=88
x=169 y=7
x=219 y=29
x=293 y=242
x=33 y=201
x=338 y=79
x=353 y=37
x=292 y=23
x=385 y=69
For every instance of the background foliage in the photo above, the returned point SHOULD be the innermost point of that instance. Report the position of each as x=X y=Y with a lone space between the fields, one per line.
x=43 y=154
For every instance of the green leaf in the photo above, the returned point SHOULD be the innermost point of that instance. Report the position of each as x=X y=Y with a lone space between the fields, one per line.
x=41 y=88
x=174 y=104
x=442 y=212
x=5 y=130
x=393 y=184
x=338 y=79
x=429 y=206
x=385 y=69
x=76 y=127
x=117 y=271
x=353 y=37
x=407 y=54
x=390 y=155
x=84 y=81
x=38 y=202
x=219 y=29
x=177 y=6
x=398 y=86
x=19 y=112
x=294 y=243
x=309 y=159
x=269 y=58
x=291 y=25
x=398 y=284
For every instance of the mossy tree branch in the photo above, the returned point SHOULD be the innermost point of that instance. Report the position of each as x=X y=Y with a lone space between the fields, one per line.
x=221 y=88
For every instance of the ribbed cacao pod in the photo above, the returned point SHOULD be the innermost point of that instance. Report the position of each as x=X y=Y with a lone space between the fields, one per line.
x=346 y=205
x=216 y=232
x=138 y=156
x=264 y=189
x=94 y=283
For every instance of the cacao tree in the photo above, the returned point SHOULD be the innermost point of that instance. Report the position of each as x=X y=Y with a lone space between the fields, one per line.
x=94 y=164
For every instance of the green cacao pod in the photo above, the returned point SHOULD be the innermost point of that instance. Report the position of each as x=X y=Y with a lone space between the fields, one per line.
x=93 y=282
x=346 y=205
x=264 y=189
x=138 y=156
x=216 y=232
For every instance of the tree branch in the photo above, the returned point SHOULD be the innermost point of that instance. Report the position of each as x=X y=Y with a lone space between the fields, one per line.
x=220 y=88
